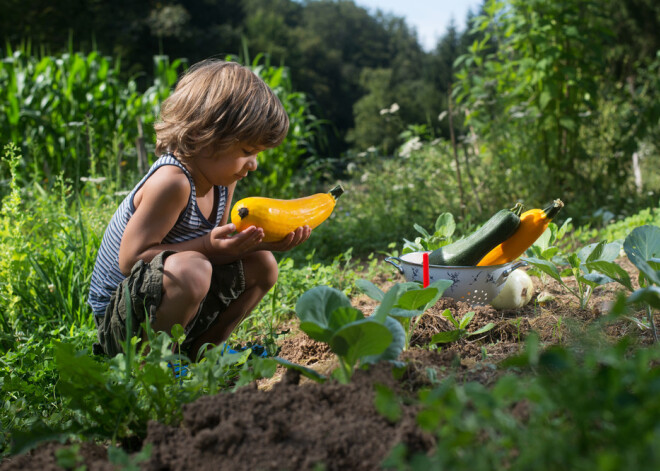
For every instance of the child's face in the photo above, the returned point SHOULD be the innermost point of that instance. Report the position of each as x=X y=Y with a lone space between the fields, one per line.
x=227 y=166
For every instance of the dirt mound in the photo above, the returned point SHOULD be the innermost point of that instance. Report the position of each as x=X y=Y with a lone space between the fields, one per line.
x=288 y=427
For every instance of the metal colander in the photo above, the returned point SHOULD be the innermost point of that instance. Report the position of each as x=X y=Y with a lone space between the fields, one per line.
x=474 y=285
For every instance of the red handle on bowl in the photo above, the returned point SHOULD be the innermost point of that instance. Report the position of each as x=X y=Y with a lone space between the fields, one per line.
x=425 y=260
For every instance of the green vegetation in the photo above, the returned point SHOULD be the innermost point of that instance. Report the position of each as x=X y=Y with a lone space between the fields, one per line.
x=535 y=101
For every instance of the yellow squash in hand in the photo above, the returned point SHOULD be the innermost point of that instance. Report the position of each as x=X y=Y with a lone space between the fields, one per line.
x=280 y=217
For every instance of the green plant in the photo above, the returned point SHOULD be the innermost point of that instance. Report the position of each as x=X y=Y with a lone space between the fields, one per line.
x=581 y=266
x=575 y=407
x=460 y=330
x=411 y=301
x=444 y=230
x=326 y=315
x=642 y=246
x=73 y=114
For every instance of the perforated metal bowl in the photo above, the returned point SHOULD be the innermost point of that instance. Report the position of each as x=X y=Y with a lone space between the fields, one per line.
x=474 y=285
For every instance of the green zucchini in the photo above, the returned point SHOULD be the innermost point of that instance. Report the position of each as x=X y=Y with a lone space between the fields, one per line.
x=470 y=250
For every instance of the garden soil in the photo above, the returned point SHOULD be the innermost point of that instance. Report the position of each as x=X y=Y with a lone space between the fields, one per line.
x=292 y=423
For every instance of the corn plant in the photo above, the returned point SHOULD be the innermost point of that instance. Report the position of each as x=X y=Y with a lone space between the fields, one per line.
x=73 y=114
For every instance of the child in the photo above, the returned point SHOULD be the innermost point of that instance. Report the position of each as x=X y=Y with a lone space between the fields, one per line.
x=168 y=249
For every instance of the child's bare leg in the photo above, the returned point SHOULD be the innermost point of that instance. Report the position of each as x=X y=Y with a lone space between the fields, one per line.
x=186 y=280
x=261 y=272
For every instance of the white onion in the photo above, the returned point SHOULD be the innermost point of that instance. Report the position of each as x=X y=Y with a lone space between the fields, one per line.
x=516 y=292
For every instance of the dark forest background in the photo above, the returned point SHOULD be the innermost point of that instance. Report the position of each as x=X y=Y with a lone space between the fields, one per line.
x=349 y=61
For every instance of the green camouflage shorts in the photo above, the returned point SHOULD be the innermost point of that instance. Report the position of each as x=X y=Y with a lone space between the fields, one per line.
x=144 y=287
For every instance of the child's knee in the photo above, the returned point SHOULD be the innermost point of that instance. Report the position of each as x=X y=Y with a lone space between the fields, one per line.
x=190 y=272
x=264 y=266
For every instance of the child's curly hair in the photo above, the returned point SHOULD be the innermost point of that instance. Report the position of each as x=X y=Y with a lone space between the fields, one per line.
x=218 y=103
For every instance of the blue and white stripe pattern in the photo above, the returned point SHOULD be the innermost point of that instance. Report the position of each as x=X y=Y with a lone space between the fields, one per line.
x=190 y=225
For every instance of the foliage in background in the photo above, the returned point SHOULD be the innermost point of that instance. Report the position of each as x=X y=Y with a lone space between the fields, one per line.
x=538 y=92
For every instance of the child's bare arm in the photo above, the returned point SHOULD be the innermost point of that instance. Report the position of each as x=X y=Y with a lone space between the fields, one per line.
x=158 y=205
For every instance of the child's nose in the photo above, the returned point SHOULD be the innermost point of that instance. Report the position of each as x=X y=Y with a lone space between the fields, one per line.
x=252 y=163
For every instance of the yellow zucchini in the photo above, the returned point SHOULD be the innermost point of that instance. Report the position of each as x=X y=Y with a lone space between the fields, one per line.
x=280 y=217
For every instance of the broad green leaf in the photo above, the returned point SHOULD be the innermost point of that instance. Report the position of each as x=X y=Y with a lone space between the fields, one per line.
x=564 y=227
x=544 y=241
x=545 y=266
x=649 y=295
x=612 y=270
x=593 y=279
x=395 y=348
x=600 y=251
x=416 y=298
x=390 y=299
x=567 y=123
x=545 y=98
x=397 y=312
x=360 y=339
x=596 y=279
x=445 y=225
x=343 y=316
x=574 y=260
x=316 y=331
x=317 y=305
x=178 y=334
x=441 y=286
x=448 y=336
x=591 y=252
x=641 y=245
x=422 y=231
x=370 y=289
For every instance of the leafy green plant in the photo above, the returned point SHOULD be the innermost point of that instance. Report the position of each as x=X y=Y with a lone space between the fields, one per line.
x=444 y=230
x=460 y=330
x=73 y=114
x=581 y=266
x=326 y=315
x=642 y=246
x=589 y=407
x=411 y=301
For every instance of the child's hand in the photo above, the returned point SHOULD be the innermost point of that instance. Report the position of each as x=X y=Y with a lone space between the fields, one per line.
x=223 y=243
x=293 y=239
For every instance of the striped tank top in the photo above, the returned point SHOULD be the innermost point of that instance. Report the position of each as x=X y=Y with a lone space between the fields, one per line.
x=191 y=224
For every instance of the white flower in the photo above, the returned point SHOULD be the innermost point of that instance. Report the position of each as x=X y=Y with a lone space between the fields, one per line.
x=350 y=168
x=394 y=108
x=384 y=111
x=372 y=149
x=408 y=147
x=364 y=177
